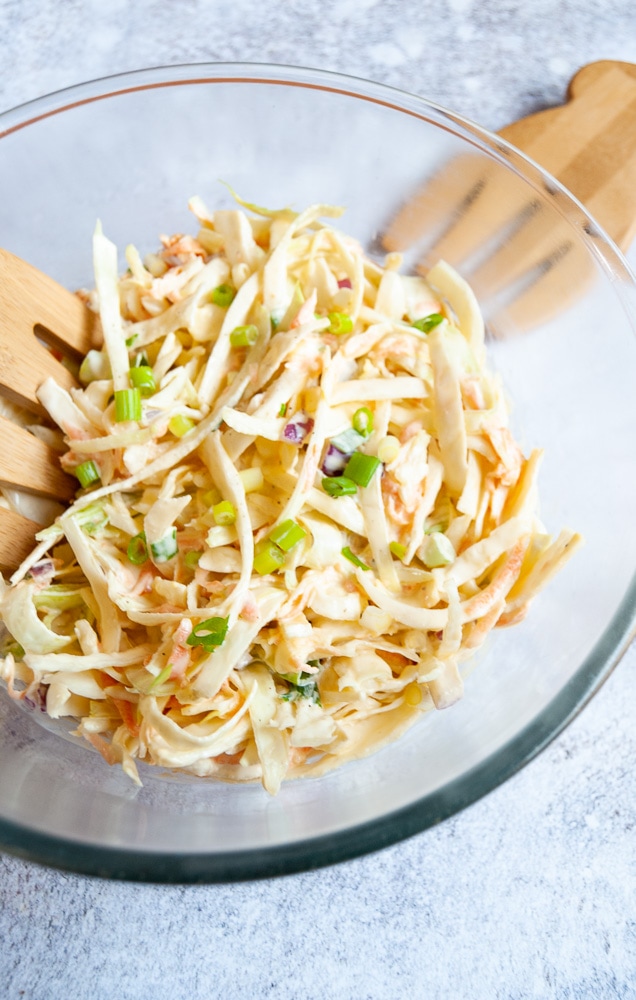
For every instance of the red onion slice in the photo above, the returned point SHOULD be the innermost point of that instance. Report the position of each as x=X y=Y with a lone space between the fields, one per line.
x=334 y=461
x=297 y=429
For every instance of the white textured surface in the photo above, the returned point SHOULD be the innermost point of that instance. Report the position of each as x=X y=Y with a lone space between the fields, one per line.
x=530 y=893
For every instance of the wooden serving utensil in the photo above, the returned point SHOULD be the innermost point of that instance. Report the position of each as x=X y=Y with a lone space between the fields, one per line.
x=589 y=145
x=34 y=310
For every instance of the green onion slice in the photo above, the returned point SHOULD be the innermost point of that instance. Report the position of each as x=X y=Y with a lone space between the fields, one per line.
x=427 y=323
x=87 y=473
x=347 y=441
x=165 y=548
x=191 y=559
x=301 y=686
x=180 y=425
x=127 y=405
x=287 y=535
x=361 y=468
x=363 y=421
x=224 y=513
x=137 y=550
x=398 y=549
x=338 y=486
x=209 y=634
x=340 y=323
x=244 y=336
x=223 y=295
x=142 y=378
x=352 y=557
x=268 y=557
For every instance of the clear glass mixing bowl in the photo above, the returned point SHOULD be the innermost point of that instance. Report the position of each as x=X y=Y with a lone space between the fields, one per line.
x=131 y=150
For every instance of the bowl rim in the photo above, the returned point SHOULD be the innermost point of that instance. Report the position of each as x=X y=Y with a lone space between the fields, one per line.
x=257 y=863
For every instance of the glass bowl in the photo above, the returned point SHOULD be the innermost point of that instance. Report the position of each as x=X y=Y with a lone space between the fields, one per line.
x=131 y=150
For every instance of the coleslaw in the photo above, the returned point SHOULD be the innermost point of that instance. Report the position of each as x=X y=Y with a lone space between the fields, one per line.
x=301 y=507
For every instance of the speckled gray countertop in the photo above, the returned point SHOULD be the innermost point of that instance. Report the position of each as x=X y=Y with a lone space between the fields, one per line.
x=530 y=893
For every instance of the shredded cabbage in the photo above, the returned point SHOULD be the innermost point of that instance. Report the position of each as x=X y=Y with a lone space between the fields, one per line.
x=236 y=596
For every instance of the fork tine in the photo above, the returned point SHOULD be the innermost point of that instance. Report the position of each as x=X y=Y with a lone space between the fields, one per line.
x=457 y=184
x=558 y=286
x=49 y=304
x=584 y=160
x=536 y=244
x=589 y=144
x=501 y=204
x=27 y=463
x=29 y=303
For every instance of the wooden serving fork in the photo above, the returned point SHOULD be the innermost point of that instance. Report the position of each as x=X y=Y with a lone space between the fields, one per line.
x=589 y=145
x=34 y=310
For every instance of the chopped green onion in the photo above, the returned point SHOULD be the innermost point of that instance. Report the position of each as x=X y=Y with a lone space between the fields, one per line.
x=352 y=557
x=127 y=405
x=224 y=512
x=363 y=421
x=131 y=340
x=283 y=410
x=192 y=559
x=209 y=634
x=142 y=378
x=427 y=323
x=137 y=550
x=223 y=295
x=180 y=425
x=340 y=323
x=87 y=473
x=301 y=686
x=268 y=557
x=162 y=677
x=398 y=549
x=361 y=468
x=338 y=486
x=164 y=550
x=287 y=535
x=244 y=336
x=347 y=441
x=437 y=550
